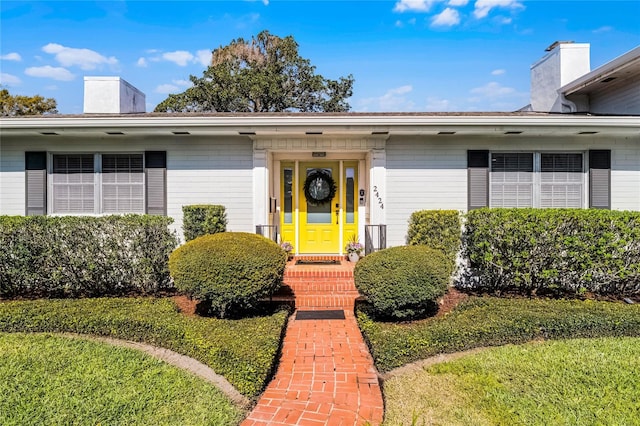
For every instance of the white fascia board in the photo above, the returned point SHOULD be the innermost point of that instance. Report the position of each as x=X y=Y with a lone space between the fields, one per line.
x=360 y=124
x=602 y=72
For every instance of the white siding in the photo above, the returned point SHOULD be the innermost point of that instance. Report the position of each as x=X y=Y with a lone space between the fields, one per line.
x=623 y=99
x=212 y=171
x=625 y=175
x=422 y=173
x=12 y=179
x=430 y=172
x=200 y=170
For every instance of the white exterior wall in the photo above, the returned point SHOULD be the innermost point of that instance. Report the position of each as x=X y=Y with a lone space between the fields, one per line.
x=212 y=171
x=12 y=179
x=431 y=172
x=412 y=173
x=625 y=174
x=422 y=174
x=199 y=171
x=623 y=100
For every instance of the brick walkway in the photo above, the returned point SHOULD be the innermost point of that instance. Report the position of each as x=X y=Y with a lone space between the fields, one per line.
x=326 y=374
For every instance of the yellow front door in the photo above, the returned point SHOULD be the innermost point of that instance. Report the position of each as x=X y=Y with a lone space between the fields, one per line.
x=319 y=205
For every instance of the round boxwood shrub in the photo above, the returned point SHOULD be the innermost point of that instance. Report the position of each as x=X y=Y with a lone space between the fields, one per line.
x=403 y=282
x=229 y=271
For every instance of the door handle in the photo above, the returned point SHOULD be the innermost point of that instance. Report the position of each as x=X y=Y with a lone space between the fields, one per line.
x=337 y=213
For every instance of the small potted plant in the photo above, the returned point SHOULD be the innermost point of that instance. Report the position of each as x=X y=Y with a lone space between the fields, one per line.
x=354 y=249
x=287 y=247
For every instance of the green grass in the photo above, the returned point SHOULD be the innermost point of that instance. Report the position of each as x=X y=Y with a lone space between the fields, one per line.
x=571 y=382
x=54 y=380
x=491 y=321
x=243 y=351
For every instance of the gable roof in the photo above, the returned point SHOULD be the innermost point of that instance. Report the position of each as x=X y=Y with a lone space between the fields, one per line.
x=623 y=70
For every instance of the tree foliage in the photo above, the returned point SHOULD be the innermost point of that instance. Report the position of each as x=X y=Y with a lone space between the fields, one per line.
x=265 y=74
x=25 y=105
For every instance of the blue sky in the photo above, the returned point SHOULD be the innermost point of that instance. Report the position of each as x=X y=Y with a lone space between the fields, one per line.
x=405 y=55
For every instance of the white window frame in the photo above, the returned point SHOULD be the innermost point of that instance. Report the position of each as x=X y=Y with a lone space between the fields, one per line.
x=102 y=182
x=98 y=209
x=537 y=174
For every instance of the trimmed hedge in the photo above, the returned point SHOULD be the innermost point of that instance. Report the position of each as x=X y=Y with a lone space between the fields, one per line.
x=43 y=256
x=203 y=219
x=438 y=229
x=243 y=351
x=231 y=271
x=403 y=282
x=560 y=251
x=492 y=321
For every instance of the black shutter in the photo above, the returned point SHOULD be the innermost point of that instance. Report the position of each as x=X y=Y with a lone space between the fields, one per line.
x=36 y=183
x=600 y=179
x=478 y=178
x=156 y=182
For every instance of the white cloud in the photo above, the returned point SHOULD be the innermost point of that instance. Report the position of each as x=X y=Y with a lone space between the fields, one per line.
x=203 y=57
x=265 y=2
x=179 y=57
x=184 y=83
x=86 y=59
x=457 y=3
x=166 y=89
x=13 y=56
x=483 y=7
x=496 y=97
x=413 y=5
x=604 y=29
x=401 y=24
x=447 y=18
x=47 y=71
x=176 y=86
x=498 y=72
x=393 y=100
x=438 y=104
x=493 y=90
x=9 y=79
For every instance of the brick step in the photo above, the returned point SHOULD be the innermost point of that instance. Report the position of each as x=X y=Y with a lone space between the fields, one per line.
x=319 y=257
x=292 y=273
x=336 y=286
x=321 y=301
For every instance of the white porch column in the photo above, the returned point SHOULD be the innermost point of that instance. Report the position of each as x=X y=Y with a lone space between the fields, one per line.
x=260 y=188
x=377 y=187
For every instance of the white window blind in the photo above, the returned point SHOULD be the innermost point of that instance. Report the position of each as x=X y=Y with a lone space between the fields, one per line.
x=73 y=183
x=561 y=180
x=122 y=183
x=511 y=180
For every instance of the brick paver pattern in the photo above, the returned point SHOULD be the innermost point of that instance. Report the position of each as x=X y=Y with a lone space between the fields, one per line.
x=326 y=374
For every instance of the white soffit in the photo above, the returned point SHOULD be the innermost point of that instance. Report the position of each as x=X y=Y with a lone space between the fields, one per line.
x=321 y=125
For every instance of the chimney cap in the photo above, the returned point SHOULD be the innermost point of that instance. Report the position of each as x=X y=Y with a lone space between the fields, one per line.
x=558 y=43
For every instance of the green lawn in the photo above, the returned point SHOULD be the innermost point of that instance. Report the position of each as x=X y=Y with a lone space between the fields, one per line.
x=54 y=380
x=571 y=382
x=492 y=321
x=243 y=351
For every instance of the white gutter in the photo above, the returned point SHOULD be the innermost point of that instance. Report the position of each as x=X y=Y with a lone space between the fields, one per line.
x=288 y=123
